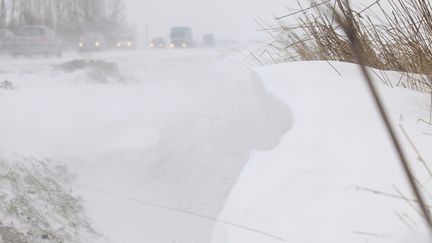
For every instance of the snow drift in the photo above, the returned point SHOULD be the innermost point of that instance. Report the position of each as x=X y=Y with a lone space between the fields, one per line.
x=176 y=133
x=320 y=183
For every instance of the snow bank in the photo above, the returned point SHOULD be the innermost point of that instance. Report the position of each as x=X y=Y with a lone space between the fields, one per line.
x=315 y=186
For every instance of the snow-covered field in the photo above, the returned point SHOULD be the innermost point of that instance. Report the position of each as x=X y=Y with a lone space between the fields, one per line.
x=175 y=130
x=158 y=139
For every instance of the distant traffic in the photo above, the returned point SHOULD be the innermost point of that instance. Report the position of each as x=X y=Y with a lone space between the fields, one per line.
x=41 y=40
x=181 y=37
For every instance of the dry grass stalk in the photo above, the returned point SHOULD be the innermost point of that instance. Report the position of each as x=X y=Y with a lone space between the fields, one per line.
x=349 y=25
x=399 y=40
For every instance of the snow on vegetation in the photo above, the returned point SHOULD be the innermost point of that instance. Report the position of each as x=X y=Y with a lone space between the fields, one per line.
x=93 y=70
x=38 y=203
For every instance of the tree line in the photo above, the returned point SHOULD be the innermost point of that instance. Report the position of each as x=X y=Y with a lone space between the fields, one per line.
x=69 y=18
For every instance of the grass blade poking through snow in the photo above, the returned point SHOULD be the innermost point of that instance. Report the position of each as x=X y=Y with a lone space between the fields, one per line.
x=345 y=17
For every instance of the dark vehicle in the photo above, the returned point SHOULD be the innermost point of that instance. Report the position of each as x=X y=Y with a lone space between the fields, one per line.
x=92 y=42
x=181 y=37
x=5 y=37
x=34 y=40
x=208 y=40
x=157 y=43
x=126 y=41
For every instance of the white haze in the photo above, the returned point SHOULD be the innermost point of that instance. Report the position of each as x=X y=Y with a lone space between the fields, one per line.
x=225 y=18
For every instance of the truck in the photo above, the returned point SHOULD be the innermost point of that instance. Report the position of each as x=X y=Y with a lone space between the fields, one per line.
x=35 y=39
x=181 y=37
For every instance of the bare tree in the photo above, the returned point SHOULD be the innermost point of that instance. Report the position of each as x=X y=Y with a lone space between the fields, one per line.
x=69 y=18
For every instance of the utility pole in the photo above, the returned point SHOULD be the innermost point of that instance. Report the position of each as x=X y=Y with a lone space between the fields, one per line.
x=147 y=35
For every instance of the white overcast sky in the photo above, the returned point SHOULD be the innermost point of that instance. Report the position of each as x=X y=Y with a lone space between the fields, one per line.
x=227 y=19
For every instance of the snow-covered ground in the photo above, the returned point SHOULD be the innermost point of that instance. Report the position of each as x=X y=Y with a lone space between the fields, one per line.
x=320 y=183
x=158 y=139
x=166 y=140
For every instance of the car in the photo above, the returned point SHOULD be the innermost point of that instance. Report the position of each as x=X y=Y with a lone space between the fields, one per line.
x=94 y=41
x=5 y=38
x=35 y=40
x=158 y=42
x=126 y=41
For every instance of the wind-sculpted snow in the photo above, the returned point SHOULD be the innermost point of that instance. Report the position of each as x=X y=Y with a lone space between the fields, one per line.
x=334 y=176
x=156 y=156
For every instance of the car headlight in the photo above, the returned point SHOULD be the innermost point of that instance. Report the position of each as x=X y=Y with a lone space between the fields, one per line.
x=129 y=44
x=184 y=45
x=172 y=45
x=97 y=44
x=152 y=45
x=81 y=44
x=118 y=44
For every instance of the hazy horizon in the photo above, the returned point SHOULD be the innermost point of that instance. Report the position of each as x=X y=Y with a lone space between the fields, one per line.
x=225 y=19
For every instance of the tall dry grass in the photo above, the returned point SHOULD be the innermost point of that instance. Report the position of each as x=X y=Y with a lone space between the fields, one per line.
x=397 y=37
x=345 y=17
